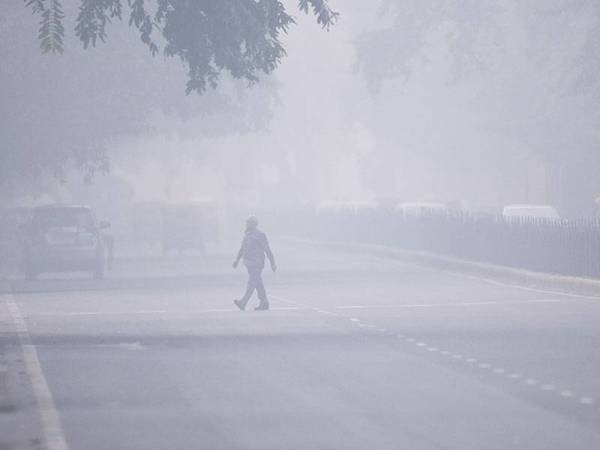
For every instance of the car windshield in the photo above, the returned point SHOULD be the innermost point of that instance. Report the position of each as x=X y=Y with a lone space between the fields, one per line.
x=80 y=218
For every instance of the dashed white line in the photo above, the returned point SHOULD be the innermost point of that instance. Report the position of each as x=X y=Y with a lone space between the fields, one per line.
x=485 y=366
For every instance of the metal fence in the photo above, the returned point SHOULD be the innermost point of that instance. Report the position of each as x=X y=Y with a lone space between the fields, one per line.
x=568 y=247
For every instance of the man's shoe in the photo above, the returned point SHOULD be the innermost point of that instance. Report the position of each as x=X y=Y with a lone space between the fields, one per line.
x=262 y=307
x=239 y=304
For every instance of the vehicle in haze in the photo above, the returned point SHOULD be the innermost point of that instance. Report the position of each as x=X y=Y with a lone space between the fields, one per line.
x=146 y=223
x=418 y=209
x=11 y=220
x=64 y=238
x=523 y=211
x=347 y=207
x=189 y=226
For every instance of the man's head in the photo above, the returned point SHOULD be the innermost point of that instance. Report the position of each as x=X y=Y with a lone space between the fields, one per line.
x=251 y=222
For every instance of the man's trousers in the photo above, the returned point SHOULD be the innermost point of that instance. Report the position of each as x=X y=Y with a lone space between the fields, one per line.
x=255 y=282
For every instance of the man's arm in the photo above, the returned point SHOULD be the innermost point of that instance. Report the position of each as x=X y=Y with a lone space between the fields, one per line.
x=239 y=255
x=269 y=253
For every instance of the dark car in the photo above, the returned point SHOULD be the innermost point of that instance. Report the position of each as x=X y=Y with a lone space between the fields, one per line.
x=64 y=239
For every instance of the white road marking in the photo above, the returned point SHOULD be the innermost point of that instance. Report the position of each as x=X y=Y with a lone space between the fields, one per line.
x=159 y=311
x=499 y=370
x=51 y=425
x=450 y=304
x=521 y=287
x=544 y=301
x=136 y=346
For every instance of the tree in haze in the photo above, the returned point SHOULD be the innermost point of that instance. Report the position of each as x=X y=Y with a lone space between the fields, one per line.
x=498 y=79
x=242 y=37
x=67 y=109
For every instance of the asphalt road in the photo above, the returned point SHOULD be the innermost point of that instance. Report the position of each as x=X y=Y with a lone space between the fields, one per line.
x=357 y=352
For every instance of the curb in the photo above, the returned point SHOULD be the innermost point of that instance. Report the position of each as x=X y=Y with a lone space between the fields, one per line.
x=490 y=272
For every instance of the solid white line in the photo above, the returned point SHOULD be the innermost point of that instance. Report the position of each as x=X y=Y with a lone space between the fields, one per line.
x=156 y=311
x=52 y=428
x=448 y=305
x=521 y=287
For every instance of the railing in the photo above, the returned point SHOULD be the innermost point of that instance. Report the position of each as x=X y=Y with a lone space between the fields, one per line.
x=568 y=247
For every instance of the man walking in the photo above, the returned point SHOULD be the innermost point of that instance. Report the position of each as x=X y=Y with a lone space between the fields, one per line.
x=253 y=250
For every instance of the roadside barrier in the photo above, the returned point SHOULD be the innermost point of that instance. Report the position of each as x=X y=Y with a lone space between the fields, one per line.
x=566 y=247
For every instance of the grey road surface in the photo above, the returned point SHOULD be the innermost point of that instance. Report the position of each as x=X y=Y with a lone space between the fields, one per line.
x=358 y=352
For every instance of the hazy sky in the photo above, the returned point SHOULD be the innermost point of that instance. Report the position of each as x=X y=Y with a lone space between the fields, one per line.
x=403 y=123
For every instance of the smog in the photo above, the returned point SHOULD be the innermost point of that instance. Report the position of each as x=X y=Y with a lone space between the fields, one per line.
x=306 y=224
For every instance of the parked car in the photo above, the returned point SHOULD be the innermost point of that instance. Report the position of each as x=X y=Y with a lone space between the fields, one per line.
x=11 y=219
x=189 y=226
x=62 y=238
x=348 y=207
x=418 y=209
x=516 y=212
